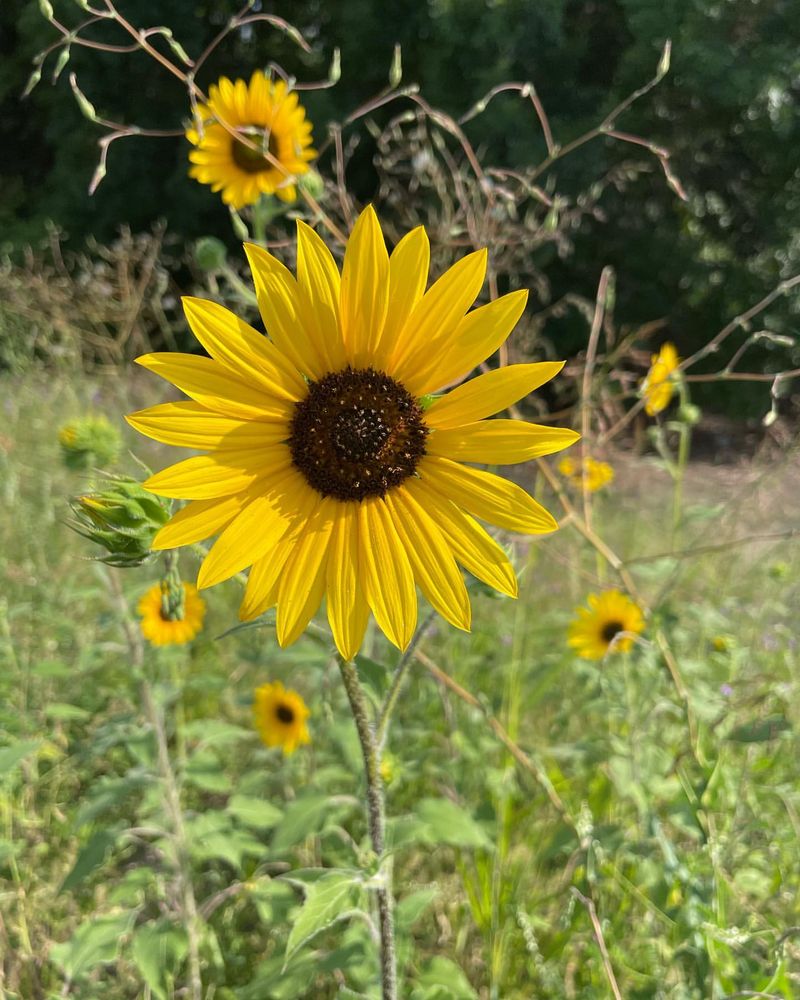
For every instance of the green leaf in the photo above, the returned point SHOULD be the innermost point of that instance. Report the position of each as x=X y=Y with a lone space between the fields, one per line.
x=91 y=856
x=442 y=979
x=440 y=821
x=203 y=770
x=216 y=731
x=110 y=793
x=327 y=900
x=411 y=907
x=158 y=950
x=93 y=943
x=11 y=756
x=213 y=835
x=62 y=712
x=761 y=731
x=257 y=813
x=302 y=818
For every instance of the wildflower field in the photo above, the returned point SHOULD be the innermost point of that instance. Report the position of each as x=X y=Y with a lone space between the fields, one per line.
x=423 y=631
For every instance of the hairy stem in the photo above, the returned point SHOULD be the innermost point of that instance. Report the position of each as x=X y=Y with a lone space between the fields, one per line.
x=376 y=821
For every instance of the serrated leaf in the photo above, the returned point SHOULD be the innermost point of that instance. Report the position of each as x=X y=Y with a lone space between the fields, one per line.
x=257 y=813
x=327 y=900
x=93 y=943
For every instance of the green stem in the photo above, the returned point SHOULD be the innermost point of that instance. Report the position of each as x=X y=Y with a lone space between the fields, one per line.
x=376 y=821
x=683 y=459
x=399 y=675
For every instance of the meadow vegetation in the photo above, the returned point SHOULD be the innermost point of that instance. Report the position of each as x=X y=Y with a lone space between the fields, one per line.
x=579 y=803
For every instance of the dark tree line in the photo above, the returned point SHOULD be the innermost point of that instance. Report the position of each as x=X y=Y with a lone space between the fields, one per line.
x=728 y=111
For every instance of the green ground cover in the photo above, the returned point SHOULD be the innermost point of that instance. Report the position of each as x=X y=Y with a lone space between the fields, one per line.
x=642 y=830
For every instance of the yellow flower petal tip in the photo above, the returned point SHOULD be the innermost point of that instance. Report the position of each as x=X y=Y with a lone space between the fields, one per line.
x=320 y=469
x=610 y=624
x=279 y=715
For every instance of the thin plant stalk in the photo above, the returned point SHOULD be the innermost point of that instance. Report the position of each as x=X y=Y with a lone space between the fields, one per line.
x=376 y=822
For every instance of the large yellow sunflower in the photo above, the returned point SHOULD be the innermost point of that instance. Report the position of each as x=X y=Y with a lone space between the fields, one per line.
x=161 y=630
x=659 y=385
x=326 y=471
x=610 y=623
x=280 y=716
x=268 y=115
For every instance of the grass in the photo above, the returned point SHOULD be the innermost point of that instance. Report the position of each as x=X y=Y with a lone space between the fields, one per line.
x=643 y=836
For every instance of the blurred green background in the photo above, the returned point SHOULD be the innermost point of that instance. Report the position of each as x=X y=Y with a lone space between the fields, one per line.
x=727 y=111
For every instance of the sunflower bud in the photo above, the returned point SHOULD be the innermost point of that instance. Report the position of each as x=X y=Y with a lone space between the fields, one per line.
x=123 y=518
x=88 y=442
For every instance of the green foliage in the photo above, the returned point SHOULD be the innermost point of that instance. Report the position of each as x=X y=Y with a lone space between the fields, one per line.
x=673 y=816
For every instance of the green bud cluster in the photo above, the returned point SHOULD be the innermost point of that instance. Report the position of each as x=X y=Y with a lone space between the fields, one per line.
x=89 y=442
x=123 y=519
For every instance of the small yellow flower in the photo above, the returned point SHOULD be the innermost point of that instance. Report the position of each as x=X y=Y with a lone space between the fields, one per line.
x=659 y=386
x=609 y=624
x=163 y=631
x=591 y=475
x=720 y=644
x=267 y=115
x=280 y=717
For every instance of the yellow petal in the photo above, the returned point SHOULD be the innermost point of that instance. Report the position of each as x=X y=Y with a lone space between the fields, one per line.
x=278 y=303
x=347 y=609
x=385 y=573
x=198 y=520
x=489 y=394
x=365 y=281
x=205 y=477
x=211 y=384
x=303 y=582
x=476 y=338
x=431 y=558
x=255 y=531
x=192 y=425
x=261 y=591
x=434 y=319
x=408 y=276
x=500 y=442
x=248 y=354
x=319 y=289
x=487 y=496
x=472 y=546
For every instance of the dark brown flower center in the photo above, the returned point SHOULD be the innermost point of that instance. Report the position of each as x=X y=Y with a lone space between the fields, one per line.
x=253 y=161
x=357 y=434
x=284 y=714
x=611 y=630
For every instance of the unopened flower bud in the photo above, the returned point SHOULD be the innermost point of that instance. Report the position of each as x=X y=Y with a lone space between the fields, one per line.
x=89 y=442
x=123 y=519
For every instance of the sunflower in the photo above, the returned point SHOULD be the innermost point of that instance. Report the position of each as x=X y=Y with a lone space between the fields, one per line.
x=658 y=386
x=609 y=624
x=590 y=474
x=280 y=716
x=234 y=131
x=328 y=470
x=163 y=631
